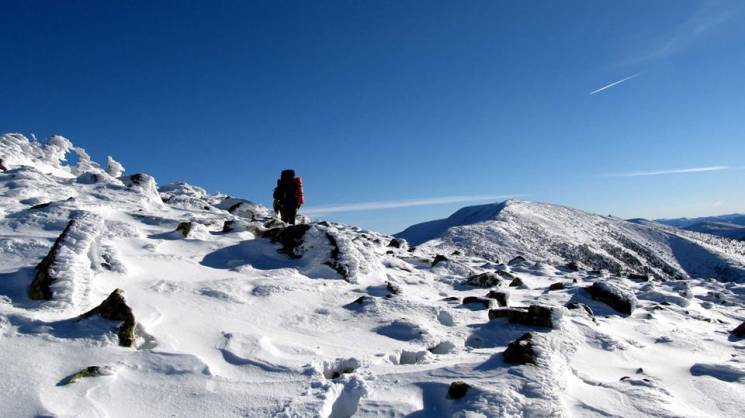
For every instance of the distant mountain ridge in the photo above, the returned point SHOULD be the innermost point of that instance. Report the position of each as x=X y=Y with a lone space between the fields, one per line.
x=728 y=226
x=556 y=234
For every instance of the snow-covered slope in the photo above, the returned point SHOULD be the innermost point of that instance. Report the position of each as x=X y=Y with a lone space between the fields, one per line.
x=557 y=234
x=225 y=311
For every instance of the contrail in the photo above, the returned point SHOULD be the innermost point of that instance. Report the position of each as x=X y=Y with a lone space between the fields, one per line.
x=614 y=84
x=354 y=207
x=676 y=171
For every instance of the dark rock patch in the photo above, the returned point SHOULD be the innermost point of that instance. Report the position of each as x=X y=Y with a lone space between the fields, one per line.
x=572 y=266
x=478 y=301
x=115 y=308
x=2 y=165
x=291 y=238
x=517 y=282
x=557 y=286
x=739 y=331
x=456 y=253
x=458 y=390
x=640 y=278
x=517 y=260
x=40 y=286
x=439 y=258
x=521 y=351
x=397 y=243
x=184 y=228
x=487 y=279
x=500 y=297
x=40 y=206
x=534 y=315
x=393 y=288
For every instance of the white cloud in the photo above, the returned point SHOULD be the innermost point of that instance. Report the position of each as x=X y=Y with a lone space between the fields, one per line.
x=363 y=206
x=615 y=83
x=664 y=172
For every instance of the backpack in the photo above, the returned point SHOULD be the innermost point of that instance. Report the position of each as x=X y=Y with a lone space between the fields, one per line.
x=299 y=195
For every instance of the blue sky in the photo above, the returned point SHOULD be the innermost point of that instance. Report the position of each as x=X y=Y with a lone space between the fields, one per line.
x=427 y=105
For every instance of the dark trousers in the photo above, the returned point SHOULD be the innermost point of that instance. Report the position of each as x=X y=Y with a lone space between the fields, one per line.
x=288 y=214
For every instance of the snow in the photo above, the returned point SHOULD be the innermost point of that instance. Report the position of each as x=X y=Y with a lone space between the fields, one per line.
x=229 y=326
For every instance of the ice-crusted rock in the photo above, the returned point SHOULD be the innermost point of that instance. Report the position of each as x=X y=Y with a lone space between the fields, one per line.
x=521 y=351
x=487 y=279
x=534 y=315
x=145 y=185
x=113 y=167
x=335 y=369
x=249 y=210
x=193 y=230
x=2 y=166
x=115 y=308
x=65 y=271
x=614 y=295
x=238 y=225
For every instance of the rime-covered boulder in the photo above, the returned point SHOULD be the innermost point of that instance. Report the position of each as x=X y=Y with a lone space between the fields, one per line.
x=115 y=308
x=614 y=295
x=145 y=185
x=193 y=230
x=65 y=271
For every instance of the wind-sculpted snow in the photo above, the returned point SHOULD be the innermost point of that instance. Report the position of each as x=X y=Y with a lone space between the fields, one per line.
x=238 y=314
x=545 y=232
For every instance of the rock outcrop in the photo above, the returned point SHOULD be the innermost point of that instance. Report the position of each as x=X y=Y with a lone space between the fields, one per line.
x=521 y=351
x=115 y=308
x=458 y=390
x=615 y=296
x=534 y=315
x=291 y=238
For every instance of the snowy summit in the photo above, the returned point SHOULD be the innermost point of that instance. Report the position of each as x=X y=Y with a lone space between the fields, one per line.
x=123 y=298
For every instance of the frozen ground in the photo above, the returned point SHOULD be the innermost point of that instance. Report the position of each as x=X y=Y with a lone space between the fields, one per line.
x=339 y=323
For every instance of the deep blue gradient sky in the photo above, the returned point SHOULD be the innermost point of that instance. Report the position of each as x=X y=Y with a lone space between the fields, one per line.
x=389 y=100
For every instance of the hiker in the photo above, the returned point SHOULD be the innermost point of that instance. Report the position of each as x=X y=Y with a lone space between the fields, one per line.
x=288 y=196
